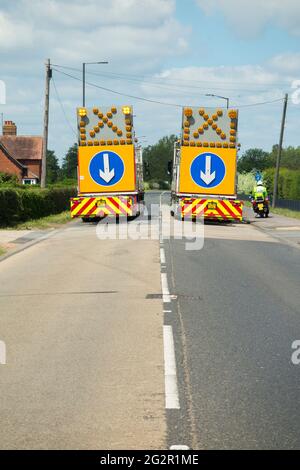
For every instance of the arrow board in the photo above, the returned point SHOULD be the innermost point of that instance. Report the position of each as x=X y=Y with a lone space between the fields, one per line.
x=106 y=168
x=208 y=170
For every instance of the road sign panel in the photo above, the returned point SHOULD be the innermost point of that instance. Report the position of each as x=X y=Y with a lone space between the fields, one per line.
x=208 y=170
x=106 y=168
x=211 y=171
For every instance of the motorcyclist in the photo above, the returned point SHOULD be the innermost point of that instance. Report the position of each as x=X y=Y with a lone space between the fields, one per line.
x=260 y=195
x=259 y=191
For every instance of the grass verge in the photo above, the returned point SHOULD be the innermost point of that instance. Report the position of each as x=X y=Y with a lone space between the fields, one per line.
x=286 y=212
x=51 y=221
x=2 y=251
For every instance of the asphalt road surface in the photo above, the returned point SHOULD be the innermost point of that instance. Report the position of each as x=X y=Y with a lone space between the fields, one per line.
x=143 y=343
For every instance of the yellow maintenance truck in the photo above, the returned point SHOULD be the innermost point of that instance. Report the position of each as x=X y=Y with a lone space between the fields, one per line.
x=204 y=170
x=110 y=167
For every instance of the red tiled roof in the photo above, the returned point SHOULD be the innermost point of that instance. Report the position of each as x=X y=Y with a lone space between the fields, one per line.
x=10 y=157
x=23 y=147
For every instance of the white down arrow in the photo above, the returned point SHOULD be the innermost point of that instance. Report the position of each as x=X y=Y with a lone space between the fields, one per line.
x=107 y=175
x=208 y=177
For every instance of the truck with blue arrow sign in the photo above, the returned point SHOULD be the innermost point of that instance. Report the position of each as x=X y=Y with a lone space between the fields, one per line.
x=110 y=167
x=204 y=171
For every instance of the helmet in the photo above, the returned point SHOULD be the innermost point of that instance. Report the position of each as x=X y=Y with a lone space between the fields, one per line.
x=260 y=183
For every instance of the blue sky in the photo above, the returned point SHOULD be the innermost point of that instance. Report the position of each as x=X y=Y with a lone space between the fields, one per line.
x=163 y=50
x=227 y=47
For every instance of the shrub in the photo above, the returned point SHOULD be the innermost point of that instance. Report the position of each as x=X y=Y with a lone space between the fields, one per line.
x=8 y=180
x=288 y=183
x=19 y=205
x=246 y=182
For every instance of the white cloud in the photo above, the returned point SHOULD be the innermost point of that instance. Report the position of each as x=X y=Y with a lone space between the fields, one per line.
x=90 y=13
x=135 y=36
x=134 y=47
x=248 y=18
x=287 y=63
x=14 y=33
x=123 y=31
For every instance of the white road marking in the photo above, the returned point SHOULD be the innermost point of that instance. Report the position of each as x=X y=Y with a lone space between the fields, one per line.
x=162 y=256
x=178 y=447
x=288 y=228
x=165 y=288
x=167 y=311
x=171 y=388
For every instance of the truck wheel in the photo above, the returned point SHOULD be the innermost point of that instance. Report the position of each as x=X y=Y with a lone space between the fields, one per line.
x=85 y=219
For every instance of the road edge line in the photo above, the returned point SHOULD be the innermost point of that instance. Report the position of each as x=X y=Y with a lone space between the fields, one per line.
x=171 y=387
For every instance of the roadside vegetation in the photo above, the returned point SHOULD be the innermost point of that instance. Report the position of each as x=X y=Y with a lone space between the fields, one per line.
x=50 y=221
x=258 y=160
x=20 y=205
x=286 y=212
x=156 y=158
x=26 y=206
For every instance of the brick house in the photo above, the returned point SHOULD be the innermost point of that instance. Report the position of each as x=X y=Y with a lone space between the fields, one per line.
x=21 y=155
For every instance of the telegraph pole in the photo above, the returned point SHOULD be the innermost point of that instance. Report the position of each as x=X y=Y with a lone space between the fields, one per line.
x=276 y=177
x=46 y=123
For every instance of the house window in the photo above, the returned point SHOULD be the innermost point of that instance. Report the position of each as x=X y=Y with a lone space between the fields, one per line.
x=29 y=181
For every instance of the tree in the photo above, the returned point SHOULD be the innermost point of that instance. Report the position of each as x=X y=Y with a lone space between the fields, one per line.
x=254 y=159
x=290 y=157
x=69 y=165
x=156 y=158
x=53 y=170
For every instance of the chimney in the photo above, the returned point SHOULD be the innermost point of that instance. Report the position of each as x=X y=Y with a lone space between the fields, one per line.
x=9 y=128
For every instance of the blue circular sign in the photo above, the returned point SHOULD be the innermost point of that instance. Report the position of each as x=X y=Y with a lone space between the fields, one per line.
x=208 y=170
x=106 y=168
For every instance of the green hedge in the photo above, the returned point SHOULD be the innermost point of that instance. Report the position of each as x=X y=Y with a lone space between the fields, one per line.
x=288 y=183
x=19 y=205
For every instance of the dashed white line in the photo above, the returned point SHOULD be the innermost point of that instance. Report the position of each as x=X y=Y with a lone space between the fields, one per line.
x=179 y=447
x=165 y=288
x=171 y=388
x=162 y=256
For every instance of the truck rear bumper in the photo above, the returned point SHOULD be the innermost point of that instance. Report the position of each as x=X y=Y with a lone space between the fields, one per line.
x=207 y=208
x=102 y=206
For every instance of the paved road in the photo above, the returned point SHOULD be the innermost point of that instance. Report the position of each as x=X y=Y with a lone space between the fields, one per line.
x=284 y=228
x=88 y=365
x=84 y=344
x=236 y=315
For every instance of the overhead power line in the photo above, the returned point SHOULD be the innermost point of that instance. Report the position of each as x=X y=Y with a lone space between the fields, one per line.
x=156 y=101
x=119 y=93
x=63 y=108
x=259 y=104
x=144 y=78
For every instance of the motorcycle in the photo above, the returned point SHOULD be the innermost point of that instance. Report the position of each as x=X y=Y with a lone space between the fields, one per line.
x=260 y=207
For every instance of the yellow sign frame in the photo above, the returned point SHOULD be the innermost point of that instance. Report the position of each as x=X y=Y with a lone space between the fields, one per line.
x=226 y=187
x=86 y=183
